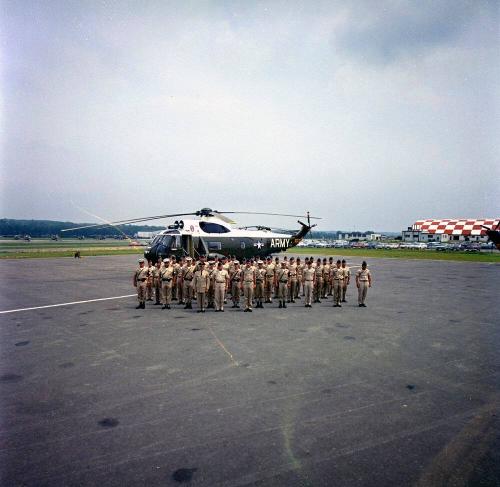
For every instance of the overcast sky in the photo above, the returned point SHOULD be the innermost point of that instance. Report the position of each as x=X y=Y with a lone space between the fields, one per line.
x=371 y=114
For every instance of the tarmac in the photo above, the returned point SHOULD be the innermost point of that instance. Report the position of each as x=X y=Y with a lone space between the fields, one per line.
x=403 y=392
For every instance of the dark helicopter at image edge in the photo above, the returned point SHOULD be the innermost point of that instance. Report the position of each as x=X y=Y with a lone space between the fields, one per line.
x=211 y=233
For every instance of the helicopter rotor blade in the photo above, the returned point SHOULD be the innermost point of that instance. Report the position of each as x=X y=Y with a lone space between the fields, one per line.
x=263 y=213
x=125 y=222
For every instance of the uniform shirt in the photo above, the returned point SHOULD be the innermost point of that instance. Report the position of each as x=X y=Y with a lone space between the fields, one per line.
x=155 y=271
x=282 y=275
x=177 y=269
x=220 y=276
x=362 y=275
x=211 y=275
x=292 y=268
x=318 y=271
x=260 y=274
x=235 y=275
x=187 y=272
x=270 y=268
x=201 y=281
x=337 y=273
x=326 y=270
x=248 y=274
x=141 y=273
x=347 y=272
x=309 y=273
x=167 y=273
x=226 y=267
x=300 y=270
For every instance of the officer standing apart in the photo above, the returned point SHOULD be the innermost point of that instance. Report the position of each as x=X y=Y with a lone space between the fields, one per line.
x=308 y=279
x=201 y=282
x=363 y=282
x=221 y=281
x=140 y=281
x=282 y=284
x=166 y=279
x=347 y=278
x=248 y=285
x=337 y=278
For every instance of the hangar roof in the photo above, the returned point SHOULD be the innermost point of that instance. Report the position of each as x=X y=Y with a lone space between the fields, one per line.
x=464 y=226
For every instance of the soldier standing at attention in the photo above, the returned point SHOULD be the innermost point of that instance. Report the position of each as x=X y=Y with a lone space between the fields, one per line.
x=347 y=278
x=149 y=282
x=201 y=282
x=300 y=270
x=166 y=278
x=308 y=278
x=187 y=275
x=363 y=282
x=276 y=269
x=330 y=284
x=211 y=288
x=260 y=277
x=234 y=279
x=318 y=283
x=221 y=280
x=156 y=281
x=326 y=278
x=140 y=279
x=178 y=279
x=282 y=284
x=248 y=285
x=268 y=287
x=292 y=276
x=337 y=278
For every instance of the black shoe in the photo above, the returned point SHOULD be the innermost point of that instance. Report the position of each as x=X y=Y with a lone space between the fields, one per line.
x=293 y=301
x=364 y=305
x=174 y=299
x=280 y=306
x=168 y=306
x=203 y=310
x=284 y=304
x=360 y=305
x=186 y=307
x=164 y=306
x=157 y=303
x=245 y=310
x=143 y=305
x=233 y=306
x=237 y=305
x=139 y=306
x=199 y=311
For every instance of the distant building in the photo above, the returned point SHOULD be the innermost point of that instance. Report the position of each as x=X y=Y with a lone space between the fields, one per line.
x=146 y=234
x=447 y=230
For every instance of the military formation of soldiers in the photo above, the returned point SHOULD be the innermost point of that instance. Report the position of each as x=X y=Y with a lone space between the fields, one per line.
x=254 y=281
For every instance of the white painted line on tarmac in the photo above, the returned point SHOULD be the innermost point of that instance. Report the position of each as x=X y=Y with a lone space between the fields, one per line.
x=66 y=304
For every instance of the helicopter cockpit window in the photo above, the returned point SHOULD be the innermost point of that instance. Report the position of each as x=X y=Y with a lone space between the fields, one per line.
x=209 y=227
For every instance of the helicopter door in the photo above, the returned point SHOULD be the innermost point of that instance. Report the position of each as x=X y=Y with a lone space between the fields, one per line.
x=187 y=245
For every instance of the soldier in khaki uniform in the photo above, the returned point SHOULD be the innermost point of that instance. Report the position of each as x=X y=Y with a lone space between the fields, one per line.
x=260 y=278
x=326 y=279
x=201 y=283
x=149 y=282
x=226 y=267
x=292 y=279
x=300 y=271
x=178 y=280
x=211 y=289
x=234 y=279
x=221 y=281
x=330 y=284
x=187 y=275
x=276 y=269
x=155 y=273
x=166 y=278
x=308 y=278
x=318 y=282
x=282 y=284
x=248 y=285
x=141 y=275
x=337 y=279
x=347 y=278
x=363 y=282
x=269 y=282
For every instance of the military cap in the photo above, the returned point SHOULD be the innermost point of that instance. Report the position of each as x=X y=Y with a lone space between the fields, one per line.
x=166 y=260
x=260 y=262
x=189 y=258
x=211 y=262
x=141 y=260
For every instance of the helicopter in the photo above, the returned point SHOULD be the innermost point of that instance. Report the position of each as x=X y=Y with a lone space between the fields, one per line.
x=213 y=234
x=493 y=234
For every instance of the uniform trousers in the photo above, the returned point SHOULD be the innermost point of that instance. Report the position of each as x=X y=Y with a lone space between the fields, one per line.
x=308 y=291
x=282 y=290
x=248 y=294
x=141 y=291
x=293 y=289
x=235 y=292
x=166 y=292
x=317 y=288
x=220 y=289
x=201 y=300
x=187 y=291
x=344 y=289
x=362 y=290
x=259 y=290
x=337 y=290
x=268 y=288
